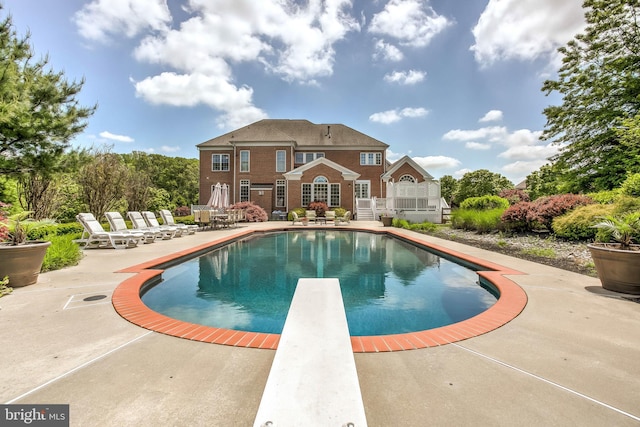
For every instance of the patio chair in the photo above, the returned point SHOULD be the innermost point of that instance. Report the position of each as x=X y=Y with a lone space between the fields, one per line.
x=140 y=224
x=297 y=219
x=330 y=216
x=311 y=216
x=345 y=219
x=152 y=221
x=116 y=223
x=167 y=218
x=94 y=236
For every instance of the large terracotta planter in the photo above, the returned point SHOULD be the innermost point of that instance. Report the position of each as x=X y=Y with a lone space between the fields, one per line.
x=386 y=221
x=22 y=263
x=618 y=270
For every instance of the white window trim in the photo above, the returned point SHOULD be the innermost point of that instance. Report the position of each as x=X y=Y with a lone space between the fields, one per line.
x=248 y=161
x=221 y=163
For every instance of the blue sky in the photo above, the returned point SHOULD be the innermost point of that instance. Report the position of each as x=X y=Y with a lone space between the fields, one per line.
x=453 y=84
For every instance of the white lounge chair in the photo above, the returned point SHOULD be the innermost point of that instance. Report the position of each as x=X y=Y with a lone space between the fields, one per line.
x=167 y=218
x=330 y=216
x=152 y=222
x=140 y=224
x=117 y=223
x=345 y=219
x=297 y=219
x=94 y=236
x=311 y=215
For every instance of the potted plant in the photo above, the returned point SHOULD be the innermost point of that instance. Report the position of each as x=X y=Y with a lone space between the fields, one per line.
x=386 y=219
x=21 y=258
x=618 y=263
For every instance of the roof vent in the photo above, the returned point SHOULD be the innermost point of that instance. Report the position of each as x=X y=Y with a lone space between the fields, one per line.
x=328 y=135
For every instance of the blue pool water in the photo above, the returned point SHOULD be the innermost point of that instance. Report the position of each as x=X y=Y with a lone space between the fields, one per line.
x=388 y=286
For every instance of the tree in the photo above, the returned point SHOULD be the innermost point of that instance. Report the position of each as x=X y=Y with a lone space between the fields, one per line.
x=480 y=183
x=448 y=187
x=39 y=114
x=103 y=182
x=600 y=87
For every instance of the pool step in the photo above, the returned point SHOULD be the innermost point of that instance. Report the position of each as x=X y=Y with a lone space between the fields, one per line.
x=313 y=379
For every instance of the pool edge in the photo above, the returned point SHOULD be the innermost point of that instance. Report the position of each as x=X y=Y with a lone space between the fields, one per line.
x=127 y=303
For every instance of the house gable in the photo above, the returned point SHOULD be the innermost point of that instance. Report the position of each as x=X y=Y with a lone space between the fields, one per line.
x=297 y=173
x=406 y=166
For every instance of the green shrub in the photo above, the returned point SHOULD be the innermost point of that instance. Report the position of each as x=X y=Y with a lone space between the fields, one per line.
x=63 y=252
x=423 y=226
x=626 y=204
x=608 y=196
x=400 y=223
x=578 y=223
x=484 y=203
x=482 y=221
x=339 y=211
x=631 y=185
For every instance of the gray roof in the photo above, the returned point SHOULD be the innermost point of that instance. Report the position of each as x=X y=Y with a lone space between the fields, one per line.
x=300 y=133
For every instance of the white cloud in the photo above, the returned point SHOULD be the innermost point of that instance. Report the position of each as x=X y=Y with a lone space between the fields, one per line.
x=411 y=22
x=168 y=149
x=492 y=116
x=114 y=137
x=525 y=29
x=100 y=19
x=530 y=152
x=387 y=51
x=436 y=162
x=459 y=173
x=294 y=41
x=392 y=116
x=477 y=146
x=493 y=133
x=521 y=169
x=405 y=77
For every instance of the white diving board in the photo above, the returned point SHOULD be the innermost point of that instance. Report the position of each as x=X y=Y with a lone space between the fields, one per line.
x=313 y=379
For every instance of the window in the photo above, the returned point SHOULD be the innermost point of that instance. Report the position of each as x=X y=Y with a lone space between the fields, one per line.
x=363 y=189
x=281 y=161
x=407 y=178
x=244 y=190
x=220 y=162
x=307 y=157
x=280 y=193
x=244 y=160
x=322 y=191
x=370 y=159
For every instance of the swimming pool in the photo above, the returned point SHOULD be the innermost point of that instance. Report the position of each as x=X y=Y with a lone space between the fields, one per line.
x=389 y=286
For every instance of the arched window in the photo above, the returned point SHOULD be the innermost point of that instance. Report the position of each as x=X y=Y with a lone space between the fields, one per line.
x=407 y=178
x=321 y=190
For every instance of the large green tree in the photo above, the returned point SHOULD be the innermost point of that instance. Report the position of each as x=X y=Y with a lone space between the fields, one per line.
x=599 y=82
x=480 y=183
x=39 y=113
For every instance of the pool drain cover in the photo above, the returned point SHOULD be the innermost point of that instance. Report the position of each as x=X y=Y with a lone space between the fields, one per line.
x=95 y=298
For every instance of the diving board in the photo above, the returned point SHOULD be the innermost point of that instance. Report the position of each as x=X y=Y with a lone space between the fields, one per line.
x=313 y=379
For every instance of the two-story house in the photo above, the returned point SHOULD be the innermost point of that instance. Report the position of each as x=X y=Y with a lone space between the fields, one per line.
x=284 y=164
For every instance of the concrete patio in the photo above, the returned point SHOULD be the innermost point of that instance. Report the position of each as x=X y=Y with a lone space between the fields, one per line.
x=572 y=357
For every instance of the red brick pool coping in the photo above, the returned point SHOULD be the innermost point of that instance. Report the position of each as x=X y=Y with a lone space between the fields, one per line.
x=126 y=301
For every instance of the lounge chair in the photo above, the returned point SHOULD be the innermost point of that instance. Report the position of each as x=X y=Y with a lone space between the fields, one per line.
x=297 y=219
x=345 y=219
x=167 y=218
x=140 y=224
x=311 y=216
x=117 y=223
x=152 y=221
x=94 y=236
x=330 y=216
